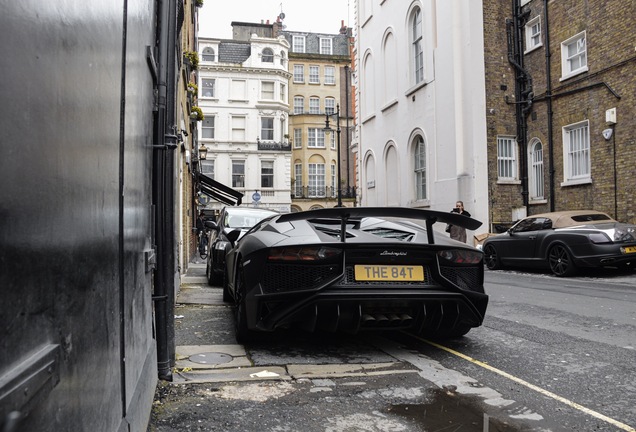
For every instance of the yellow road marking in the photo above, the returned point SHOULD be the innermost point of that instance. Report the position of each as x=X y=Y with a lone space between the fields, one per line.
x=538 y=389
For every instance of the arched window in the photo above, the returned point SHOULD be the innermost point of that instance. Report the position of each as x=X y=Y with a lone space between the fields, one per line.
x=536 y=170
x=417 y=46
x=268 y=56
x=419 y=148
x=209 y=54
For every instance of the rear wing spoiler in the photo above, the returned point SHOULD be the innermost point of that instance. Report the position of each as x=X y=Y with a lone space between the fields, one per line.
x=346 y=213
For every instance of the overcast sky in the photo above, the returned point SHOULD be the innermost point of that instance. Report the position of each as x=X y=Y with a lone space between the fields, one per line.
x=322 y=16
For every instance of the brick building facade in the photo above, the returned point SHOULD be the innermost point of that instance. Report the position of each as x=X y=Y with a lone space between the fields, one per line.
x=560 y=107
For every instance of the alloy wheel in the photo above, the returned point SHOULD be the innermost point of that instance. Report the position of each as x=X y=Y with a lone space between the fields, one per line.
x=560 y=261
x=491 y=258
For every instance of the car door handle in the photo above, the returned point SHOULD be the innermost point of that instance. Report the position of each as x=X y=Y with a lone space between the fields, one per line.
x=532 y=237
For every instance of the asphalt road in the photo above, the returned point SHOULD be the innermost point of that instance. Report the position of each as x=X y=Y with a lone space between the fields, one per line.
x=553 y=355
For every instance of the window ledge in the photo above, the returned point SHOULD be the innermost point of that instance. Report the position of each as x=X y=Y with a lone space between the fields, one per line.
x=508 y=182
x=576 y=182
x=419 y=203
x=573 y=74
x=534 y=48
x=389 y=105
x=537 y=201
x=415 y=88
x=367 y=119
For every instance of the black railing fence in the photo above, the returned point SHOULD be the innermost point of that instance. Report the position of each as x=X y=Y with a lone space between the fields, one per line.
x=327 y=192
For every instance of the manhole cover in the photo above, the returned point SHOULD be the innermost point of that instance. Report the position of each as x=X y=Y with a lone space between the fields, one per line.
x=211 y=358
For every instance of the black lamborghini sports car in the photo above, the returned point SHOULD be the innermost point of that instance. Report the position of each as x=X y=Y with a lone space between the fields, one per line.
x=356 y=269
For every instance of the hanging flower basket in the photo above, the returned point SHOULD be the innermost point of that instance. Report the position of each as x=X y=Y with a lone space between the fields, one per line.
x=192 y=58
x=196 y=114
x=199 y=3
x=193 y=88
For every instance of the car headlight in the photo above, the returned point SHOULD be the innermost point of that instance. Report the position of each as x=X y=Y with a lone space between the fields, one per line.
x=303 y=253
x=460 y=256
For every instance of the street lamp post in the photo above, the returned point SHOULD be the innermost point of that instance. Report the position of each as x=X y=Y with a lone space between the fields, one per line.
x=328 y=129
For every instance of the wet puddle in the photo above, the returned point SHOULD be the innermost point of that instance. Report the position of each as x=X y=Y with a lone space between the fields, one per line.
x=451 y=412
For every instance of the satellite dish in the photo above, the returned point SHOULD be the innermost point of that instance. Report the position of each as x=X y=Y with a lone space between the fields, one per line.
x=282 y=15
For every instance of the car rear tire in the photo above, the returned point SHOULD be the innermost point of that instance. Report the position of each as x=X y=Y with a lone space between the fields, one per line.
x=214 y=279
x=491 y=259
x=243 y=334
x=227 y=297
x=561 y=262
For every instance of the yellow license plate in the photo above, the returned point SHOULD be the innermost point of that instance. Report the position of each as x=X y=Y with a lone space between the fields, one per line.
x=389 y=273
x=630 y=249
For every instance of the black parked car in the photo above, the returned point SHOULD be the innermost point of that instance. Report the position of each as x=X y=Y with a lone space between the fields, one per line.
x=563 y=242
x=232 y=222
x=350 y=270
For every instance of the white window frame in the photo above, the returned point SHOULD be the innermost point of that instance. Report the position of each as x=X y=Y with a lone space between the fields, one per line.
x=238 y=173
x=267 y=132
x=315 y=138
x=577 y=158
x=573 y=51
x=314 y=74
x=283 y=92
x=536 y=173
x=417 y=46
x=267 y=172
x=316 y=180
x=238 y=128
x=298 y=138
x=330 y=105
x=208 y=88
x=208 y=54
x=298 y=179
x=330 y=75
x=299 y=104
x=533 y=34
x=267 y=55
x=208 y=127
x=298 y=44
x=299 y=73
x=238 y=90
x=507 y=161
x=326 y=46
x=207 y=168
x=334 y=190
x=314 y=105
x=268 y=90
x=419 y=168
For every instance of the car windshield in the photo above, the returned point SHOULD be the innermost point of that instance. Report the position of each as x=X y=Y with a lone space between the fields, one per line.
x=238 y=218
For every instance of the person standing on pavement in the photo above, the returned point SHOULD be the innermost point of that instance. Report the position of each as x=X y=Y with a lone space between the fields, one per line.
x=457 y=232
x=200 y=222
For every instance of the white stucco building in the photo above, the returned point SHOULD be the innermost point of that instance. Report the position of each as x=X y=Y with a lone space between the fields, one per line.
x=421 y=105
x=243 y=93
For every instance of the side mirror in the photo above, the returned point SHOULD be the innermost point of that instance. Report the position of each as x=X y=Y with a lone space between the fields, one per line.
x=233 y=235
x=211 y=225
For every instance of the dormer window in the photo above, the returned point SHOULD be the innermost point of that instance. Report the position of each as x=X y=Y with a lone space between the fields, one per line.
x=209 y=54
x=268 y=56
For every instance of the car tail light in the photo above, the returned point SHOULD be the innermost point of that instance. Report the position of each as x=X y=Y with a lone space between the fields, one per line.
x=460 y=256
x=625 y=234
x=303 y=253
x=599 y=238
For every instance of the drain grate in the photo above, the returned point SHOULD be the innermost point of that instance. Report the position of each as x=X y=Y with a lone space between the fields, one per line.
x=211 y=358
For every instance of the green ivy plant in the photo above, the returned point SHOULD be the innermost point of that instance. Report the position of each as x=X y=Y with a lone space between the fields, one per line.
x=199 y=3
x=193 y=58
x=197 y=113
